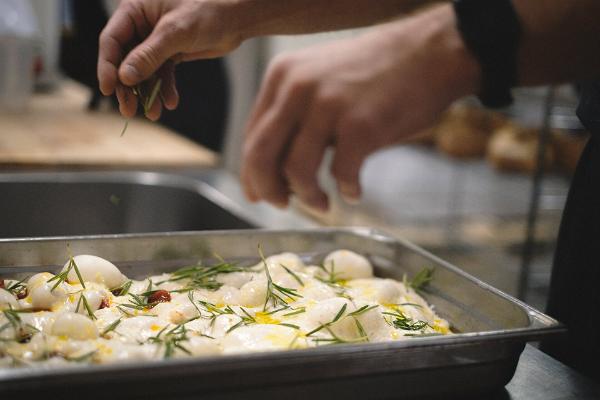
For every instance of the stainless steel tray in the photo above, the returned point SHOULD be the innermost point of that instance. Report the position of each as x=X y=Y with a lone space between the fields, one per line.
x=493 y=327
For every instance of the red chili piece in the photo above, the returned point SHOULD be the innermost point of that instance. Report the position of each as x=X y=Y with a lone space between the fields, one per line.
x=160 y=296
x=1 y=283
x=22 y=294
x=104 y=304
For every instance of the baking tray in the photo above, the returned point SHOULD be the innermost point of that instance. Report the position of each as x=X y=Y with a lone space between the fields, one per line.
x=492 y=326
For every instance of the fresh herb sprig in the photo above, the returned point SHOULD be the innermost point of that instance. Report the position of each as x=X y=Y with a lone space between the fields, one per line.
x=276 y=294
x=63 y=276
x=22 y=332
x=112 y=326
x=401 y=321
x=293 y=274
x=296 y=311
x=86 y=305
x=245 y=319
x=173 y=339
x=147 y=100
x=335 y=319
x=17 y=287
x=335 y=339
x=123 y=289
x=419 y=281
x=82 y=358
x=201 y=277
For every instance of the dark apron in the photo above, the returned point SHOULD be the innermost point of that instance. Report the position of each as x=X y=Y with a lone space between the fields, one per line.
x=575 y=286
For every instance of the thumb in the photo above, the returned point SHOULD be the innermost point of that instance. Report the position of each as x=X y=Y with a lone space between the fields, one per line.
x=147 y=57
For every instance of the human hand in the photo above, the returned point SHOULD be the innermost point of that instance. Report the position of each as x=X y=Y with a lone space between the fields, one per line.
x=357 y=95
x=145 y=39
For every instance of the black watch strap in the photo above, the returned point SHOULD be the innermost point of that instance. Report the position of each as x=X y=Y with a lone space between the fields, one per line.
x=491 y=31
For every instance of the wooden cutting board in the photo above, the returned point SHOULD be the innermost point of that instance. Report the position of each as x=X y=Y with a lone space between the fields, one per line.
x=58 y=131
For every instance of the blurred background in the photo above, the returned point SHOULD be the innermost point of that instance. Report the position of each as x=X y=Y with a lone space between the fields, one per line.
x=482 y=189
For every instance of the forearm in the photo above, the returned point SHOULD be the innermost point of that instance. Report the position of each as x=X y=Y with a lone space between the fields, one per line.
x=560 y=42
x=276 y=17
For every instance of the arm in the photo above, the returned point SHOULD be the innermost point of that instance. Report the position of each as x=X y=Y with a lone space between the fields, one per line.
x=142 y=38
x=363 y=94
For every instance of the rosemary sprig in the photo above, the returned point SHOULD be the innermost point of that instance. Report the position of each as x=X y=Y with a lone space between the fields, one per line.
x=411 y=304
x=81 y=358
x=146 y=101
x=149 y=102
x=293 y=274
x=283 y=308
x=297 y=311
x=86 y=305
x=245 y=319
x=14 y=321
x=423 y=334
x=337 y=317
x=124 y=128
x=421 y=280
x=289 y=325
x=172 y=339
x=201 y=277
x=111 y=327
x=137 y=302
x=361 y=331
x=362 y=310
x=401 y=321
x=276 y=294
x=17 y=287
x=332 y=277
x=334 y=339
x=63 y=276
x=122 y=289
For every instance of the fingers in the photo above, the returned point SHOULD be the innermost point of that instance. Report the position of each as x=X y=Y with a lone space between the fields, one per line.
x=120 y=31
x=304 y=158
x=267 y=91
x=168 y=90
x=354 y=142
x=127 y=100
x=145 y=59
x=266 y=145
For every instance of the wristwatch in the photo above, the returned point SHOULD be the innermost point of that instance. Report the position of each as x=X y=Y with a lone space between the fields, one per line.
x=491 y=30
